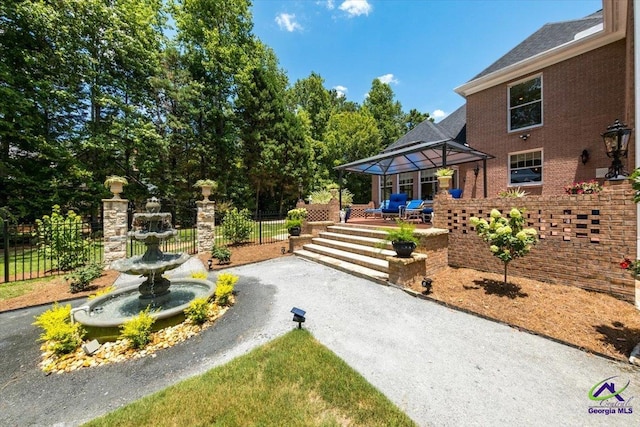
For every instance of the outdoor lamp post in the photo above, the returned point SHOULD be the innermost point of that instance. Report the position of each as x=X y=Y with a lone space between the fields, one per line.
x=616 y=142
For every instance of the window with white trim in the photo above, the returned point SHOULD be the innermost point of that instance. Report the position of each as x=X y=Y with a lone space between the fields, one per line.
x=525 y=104
x=525 y=168
x=385 y=190
x=428 y=184
x=405 y=182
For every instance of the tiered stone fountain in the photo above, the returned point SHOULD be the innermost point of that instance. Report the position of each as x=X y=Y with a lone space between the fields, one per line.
x=102 y=316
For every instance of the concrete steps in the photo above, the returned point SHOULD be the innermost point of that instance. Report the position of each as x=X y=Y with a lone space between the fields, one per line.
x=359 y=251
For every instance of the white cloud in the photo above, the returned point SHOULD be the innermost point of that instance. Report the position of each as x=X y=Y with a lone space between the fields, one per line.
x=439 y=114
x=356 y=7
x=288 y=22
x=330 y=4
x=388 y=79
x=341 y=91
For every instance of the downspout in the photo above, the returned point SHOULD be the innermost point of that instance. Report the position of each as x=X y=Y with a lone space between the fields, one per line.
x=636 y=77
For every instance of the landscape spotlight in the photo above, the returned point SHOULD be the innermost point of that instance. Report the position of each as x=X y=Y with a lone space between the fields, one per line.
x=210 y=263
x=282 y=249
x=298 y=316
x=426 y=284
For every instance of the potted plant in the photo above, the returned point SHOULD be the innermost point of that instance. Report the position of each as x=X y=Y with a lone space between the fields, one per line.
x=402 y=239
x=115 y=183
x=206 y=186
x=294 y=220
x=444 y=176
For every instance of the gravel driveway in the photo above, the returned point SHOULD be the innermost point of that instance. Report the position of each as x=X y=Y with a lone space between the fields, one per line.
x=442 y=367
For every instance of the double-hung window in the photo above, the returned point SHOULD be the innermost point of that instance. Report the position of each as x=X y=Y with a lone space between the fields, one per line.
x=525 y=168
x=525 y=104
x=386 y=188
x=406 y=184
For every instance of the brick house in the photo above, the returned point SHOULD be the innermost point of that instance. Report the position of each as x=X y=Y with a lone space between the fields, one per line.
x=536 y=111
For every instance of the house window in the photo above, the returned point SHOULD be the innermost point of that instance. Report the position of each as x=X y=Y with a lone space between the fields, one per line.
x=406 y=184
x=525 y=168
x=525 y=104
x=386 y=189
x=428 y=184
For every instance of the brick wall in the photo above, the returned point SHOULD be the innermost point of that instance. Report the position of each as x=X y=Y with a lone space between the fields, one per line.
x=583 y=238
x=581 y=97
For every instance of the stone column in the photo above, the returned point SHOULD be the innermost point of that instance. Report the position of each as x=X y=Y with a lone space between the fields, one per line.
x=115 y=229
x=206 y=225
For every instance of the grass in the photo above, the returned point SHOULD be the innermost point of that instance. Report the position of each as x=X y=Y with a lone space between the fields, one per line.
x=293 y=380
x=16 y=289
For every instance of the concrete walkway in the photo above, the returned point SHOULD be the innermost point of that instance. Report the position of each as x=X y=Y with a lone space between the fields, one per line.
x=440 y=366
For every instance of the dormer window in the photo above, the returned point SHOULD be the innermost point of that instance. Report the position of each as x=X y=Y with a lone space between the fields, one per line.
x=525 y=104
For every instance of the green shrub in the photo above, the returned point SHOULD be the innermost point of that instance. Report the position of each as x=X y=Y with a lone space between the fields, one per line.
x=60 y=239
x=138 y=329
x=221 y=253
x=404 y=232
x=198 y=310
x=62 y=335
x=237 y=226
x=80 y=278
x=224 y=287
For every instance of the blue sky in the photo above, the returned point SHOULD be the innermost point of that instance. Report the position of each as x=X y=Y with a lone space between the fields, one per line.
x=423 y=48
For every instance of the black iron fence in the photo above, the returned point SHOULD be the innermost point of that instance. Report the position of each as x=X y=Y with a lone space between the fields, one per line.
x=253 y=229
x=31 y=251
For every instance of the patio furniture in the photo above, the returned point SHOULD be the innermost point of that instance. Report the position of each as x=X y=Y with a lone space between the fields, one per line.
x=412 y=210
x=393 y=209
x=376 y=211
x=426 y=213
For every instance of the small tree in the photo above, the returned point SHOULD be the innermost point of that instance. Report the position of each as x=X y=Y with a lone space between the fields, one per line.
x=508 y=239
x=60 y=239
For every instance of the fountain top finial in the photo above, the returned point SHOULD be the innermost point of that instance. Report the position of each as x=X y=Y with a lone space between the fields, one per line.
x=153 y=205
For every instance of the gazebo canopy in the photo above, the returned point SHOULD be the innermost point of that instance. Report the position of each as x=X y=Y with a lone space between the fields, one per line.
x=416 y=156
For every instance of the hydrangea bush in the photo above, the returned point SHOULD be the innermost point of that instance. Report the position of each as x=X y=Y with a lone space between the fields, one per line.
x=507 y=237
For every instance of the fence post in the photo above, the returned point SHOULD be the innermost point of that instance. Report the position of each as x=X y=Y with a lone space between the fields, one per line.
x=5 y=233
x=115 y=229
x=206 y=225
x=260 y=225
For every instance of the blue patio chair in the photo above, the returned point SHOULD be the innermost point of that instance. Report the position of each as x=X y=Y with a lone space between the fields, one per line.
x=412 y=210
x=376 y=211
x=393 y=209
x=456 y=193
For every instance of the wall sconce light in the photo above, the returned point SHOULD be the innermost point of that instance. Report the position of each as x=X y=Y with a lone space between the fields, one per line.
x=426 y=284
x=210 y=264
x=476 y=170
x=298 y=316
x=616 y=143
x=525 y=136
x=584 y=157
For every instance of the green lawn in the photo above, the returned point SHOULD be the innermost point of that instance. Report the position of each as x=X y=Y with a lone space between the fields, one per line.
x=291 y=381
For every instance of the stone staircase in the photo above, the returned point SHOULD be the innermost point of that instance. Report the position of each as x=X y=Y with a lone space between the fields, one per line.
x=360 y=251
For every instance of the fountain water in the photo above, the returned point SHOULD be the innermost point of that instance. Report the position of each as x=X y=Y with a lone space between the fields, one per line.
x=102 y=316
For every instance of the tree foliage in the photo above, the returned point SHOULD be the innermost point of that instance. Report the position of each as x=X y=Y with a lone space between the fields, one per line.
x=91 y=89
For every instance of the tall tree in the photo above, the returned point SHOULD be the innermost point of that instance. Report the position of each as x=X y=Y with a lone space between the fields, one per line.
x=352 y=136
x=413 y=118
x=387 y=112
x=311 y=95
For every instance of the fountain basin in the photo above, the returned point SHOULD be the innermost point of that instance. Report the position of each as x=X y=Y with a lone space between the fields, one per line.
x=103 y=316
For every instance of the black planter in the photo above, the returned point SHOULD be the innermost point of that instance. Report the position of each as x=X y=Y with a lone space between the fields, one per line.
x=295 y=231
x=403 y=249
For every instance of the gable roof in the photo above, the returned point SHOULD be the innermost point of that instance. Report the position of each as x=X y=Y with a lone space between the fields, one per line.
x=552 y=44
x=546 y=38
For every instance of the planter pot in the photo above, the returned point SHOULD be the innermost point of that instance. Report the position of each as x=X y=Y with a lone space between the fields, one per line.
x=116 y=189
x=444 y=182
x=403 y=249
x=295 y=231
x=206 y=191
